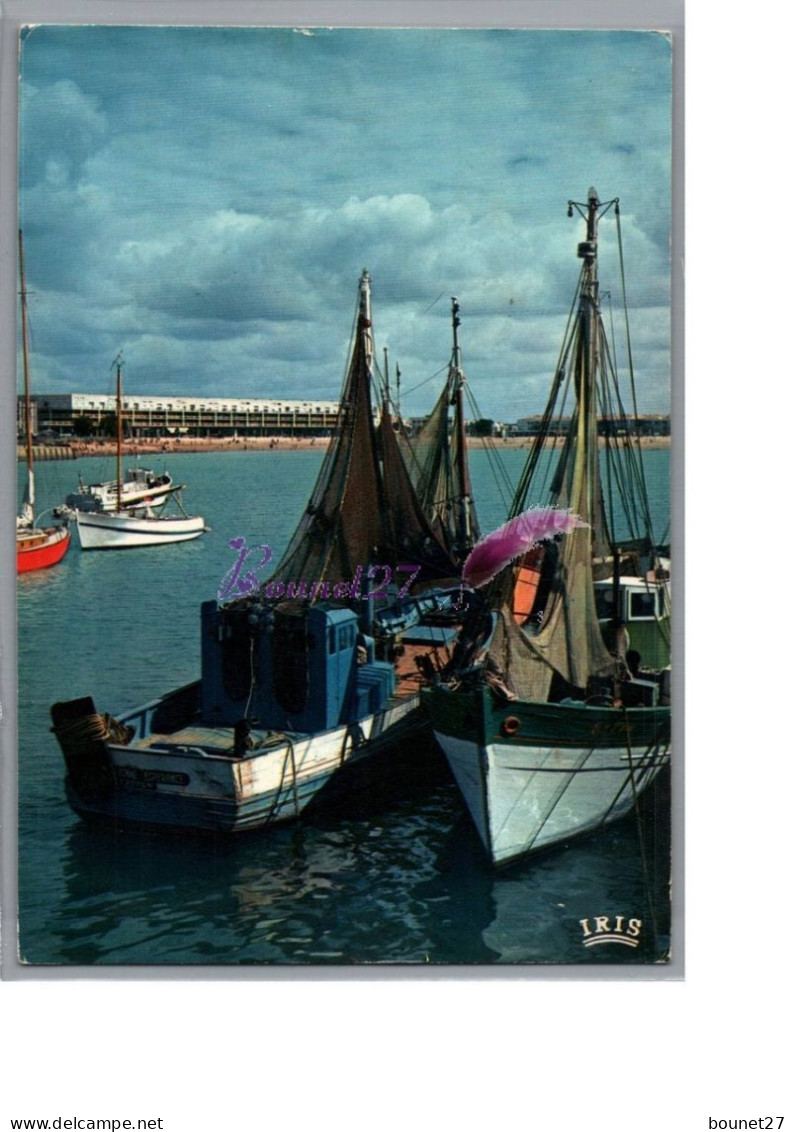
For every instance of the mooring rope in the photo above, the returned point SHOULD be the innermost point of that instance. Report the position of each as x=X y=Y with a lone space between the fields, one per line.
x=289 y=757
x=94 y=728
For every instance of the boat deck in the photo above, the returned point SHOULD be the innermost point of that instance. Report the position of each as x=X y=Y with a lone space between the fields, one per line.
x=209 y=740
x=410 y=678
x=28 y=541
x=430 y=647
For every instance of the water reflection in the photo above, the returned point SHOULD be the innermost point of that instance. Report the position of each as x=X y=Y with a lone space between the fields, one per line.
x=358 y=891
x=405 y=886
x=391 y=872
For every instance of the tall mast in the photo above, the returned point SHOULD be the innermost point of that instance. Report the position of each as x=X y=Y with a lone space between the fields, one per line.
x=118 y=433
x=588 y=303
x=592 y=212
x=463 y=463
x=590 y=341
x=589 y=308
x=365 y=318
x=26 y=372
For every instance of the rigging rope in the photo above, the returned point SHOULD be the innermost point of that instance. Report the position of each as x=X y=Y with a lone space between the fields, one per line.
x=522 y=491
x=628 y=333
x=495 y=461
x=253 y=679
x=407 y=392
x=632 y=451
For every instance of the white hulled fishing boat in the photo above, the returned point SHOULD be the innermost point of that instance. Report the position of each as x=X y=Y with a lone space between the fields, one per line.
x=133 y=525
x=140 y=487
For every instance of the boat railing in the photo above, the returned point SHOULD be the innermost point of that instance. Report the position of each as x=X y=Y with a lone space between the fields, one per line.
x=142 y=717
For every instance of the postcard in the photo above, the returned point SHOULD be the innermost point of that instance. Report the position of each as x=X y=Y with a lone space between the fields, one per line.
x=343 y=537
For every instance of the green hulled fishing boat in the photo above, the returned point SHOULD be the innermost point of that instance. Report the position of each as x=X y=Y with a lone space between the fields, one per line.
x=554 y=712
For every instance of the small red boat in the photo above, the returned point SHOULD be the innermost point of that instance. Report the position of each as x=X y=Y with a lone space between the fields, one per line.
x=37 y=548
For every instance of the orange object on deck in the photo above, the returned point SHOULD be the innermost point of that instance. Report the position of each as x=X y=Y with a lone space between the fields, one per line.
x=527 y=581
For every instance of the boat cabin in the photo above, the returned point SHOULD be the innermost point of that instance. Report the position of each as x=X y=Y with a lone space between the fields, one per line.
x=638 y=600
x=643 y=610
x=290 y=667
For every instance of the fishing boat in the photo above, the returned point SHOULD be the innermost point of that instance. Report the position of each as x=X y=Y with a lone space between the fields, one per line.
x=437 y=461
x=37 y=547
x=554 y=713
x=133 y=525
x=140 y=487
x=304 y=674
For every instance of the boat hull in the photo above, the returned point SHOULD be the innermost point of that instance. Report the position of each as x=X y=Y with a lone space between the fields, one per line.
x=534 y=775
x=191 y=779
x=99 y=531
x=37 y=550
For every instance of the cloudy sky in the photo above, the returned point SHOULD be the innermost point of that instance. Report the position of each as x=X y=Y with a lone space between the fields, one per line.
x=205 y=200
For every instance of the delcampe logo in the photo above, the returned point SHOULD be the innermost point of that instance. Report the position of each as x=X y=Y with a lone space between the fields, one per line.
x=602 y=931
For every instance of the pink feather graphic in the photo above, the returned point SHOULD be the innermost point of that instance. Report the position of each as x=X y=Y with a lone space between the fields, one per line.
x=517 y=536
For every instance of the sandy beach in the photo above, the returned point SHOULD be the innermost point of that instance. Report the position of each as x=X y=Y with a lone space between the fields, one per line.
x=77 y=449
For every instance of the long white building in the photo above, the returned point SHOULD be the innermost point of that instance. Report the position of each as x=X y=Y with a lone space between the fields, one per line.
x=147 y=415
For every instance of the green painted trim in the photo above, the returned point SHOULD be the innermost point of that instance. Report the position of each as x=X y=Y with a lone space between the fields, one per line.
x=474 y=716
x=459 y=714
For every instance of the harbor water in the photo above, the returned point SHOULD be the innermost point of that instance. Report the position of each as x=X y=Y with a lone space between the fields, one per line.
x=394 y=875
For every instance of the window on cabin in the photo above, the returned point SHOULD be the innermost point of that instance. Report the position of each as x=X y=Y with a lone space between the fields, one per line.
x=643 y=606
x=605 y=603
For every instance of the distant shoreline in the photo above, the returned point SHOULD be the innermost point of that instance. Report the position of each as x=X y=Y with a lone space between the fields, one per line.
x=156 y=447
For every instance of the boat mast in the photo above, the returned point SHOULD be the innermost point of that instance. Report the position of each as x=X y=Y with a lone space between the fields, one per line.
x=26 y=371
x=118 y=434
x=463 y=463
x=365 y=319
x=589 y=308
